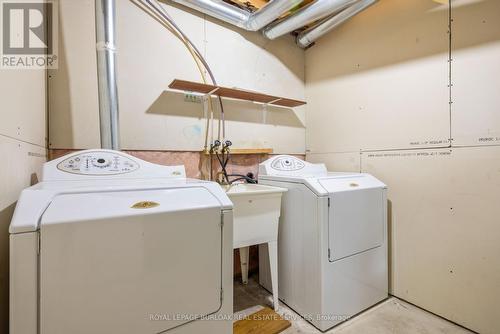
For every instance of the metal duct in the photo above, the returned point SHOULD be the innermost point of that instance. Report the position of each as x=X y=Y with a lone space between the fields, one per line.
x=106 y=73
x=313 y=12
x=220 y=10
x=310 y=35
x=239 y=17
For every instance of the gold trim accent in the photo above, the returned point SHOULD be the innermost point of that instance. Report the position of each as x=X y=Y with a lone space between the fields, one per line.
x=145 y=205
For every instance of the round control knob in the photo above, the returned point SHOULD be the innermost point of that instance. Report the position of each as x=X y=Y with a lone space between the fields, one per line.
x=101 y=162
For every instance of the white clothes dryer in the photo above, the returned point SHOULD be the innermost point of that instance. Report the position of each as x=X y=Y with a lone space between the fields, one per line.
x=332 y=248
x=107 y=243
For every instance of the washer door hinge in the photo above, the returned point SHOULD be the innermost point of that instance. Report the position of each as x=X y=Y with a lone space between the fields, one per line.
x=328 y=201
x=329 y=253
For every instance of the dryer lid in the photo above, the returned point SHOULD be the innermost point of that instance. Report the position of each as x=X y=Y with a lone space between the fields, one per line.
x=72 y=208
x=347 y=182
x=35 y=201
x=120 y=265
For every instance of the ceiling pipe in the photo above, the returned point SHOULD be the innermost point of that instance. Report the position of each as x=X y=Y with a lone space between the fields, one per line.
x=310 y=35
x=313 y=12
x=220 y=10
x=270 y=12
x=106 y=73
x=239 y=17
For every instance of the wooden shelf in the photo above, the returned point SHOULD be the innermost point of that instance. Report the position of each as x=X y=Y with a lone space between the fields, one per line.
x=251 y=151
x=233 y=93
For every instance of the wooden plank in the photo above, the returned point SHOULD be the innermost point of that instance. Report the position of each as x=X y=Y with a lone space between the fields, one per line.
x=265 y=321
x=191 y=86
x=255 y=5
x=252 y=151
x=252 y=5
x=234 y=93
x=245 y=95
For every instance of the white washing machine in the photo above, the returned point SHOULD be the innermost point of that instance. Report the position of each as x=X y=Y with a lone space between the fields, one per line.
x=332 y=246
x=108 y=243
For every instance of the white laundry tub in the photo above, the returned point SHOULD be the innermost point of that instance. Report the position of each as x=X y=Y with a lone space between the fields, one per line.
x=256 y=214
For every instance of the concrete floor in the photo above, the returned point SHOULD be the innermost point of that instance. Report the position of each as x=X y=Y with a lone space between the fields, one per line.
x=392 y=316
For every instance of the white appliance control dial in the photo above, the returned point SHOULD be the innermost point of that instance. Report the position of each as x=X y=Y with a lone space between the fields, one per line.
x=98 y=163
x=288 y=163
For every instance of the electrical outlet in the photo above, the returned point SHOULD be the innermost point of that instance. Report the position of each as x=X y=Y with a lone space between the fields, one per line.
x=191 y=97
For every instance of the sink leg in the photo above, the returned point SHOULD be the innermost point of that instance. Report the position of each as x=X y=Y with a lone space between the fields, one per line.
x=244 y=255
x=272 y=248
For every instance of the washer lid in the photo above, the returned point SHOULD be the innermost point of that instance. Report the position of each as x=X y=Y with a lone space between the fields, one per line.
x=72 y=208
x=287 y=165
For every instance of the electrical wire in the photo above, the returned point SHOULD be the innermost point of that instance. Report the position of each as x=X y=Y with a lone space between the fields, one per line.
x=141 y=4
x=161 y=11
x=224 y=158
x=156 y=10
x=223 y=162
x=170 y=25
x=148 y=8
x=243 y=177
x=189 y=44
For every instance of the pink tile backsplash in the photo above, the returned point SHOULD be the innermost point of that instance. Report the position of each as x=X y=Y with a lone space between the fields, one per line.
x=190 y=160
x=238 y=164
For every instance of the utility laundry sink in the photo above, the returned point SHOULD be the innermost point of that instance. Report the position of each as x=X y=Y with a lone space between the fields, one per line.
x=256 y=217
x=256 y=213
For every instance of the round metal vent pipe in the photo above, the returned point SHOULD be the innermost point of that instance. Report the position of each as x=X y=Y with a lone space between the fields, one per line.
x=313 y=12
x=310 y=35
x=239 y=17
x=106 y=73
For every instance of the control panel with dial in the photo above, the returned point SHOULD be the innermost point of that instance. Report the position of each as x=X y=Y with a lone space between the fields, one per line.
x=98 y=163
x=287 y=164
